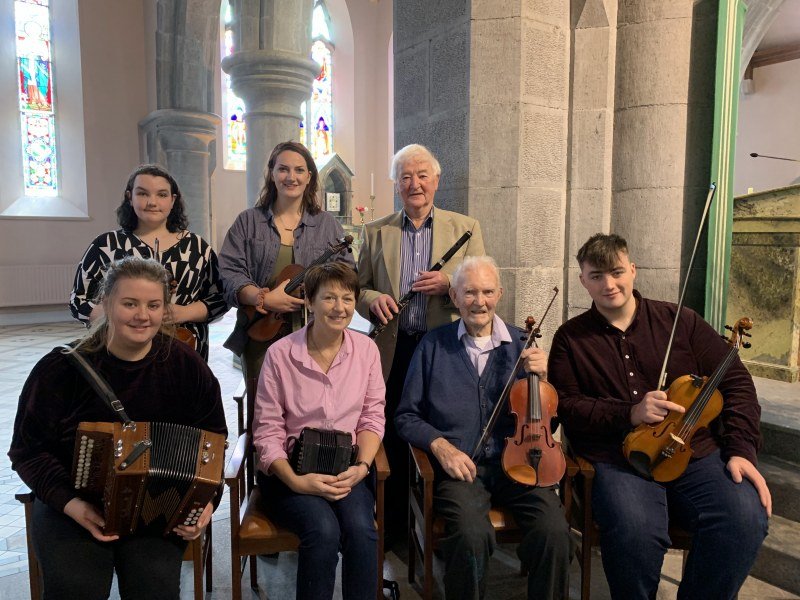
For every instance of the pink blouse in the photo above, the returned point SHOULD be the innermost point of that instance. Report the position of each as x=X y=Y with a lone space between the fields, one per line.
x=293 y=393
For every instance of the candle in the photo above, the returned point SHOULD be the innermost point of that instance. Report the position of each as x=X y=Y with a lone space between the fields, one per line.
x=372 y=184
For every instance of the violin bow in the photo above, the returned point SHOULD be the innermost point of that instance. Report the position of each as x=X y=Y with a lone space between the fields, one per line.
x=662 y=378
x=535 y=332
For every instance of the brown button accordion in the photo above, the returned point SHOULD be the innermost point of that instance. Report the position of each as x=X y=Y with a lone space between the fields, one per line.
x=147 y=474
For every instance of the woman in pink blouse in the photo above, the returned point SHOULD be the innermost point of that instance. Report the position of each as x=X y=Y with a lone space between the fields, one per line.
x=328 y=377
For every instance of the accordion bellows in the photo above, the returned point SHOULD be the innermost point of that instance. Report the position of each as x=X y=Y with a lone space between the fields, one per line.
x=151 y=474
x=326 y=451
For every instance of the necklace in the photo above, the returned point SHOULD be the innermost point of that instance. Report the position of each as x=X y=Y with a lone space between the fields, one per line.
x=282 y=223
x=325 y=359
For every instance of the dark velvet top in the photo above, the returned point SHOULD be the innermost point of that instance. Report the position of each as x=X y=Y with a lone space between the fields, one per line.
x=172 y=384
x=600 y=373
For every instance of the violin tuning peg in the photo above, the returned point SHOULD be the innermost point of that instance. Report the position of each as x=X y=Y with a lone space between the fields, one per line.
x=746 y=345
x=728 y=327
x=723 y=337
x=745 y=334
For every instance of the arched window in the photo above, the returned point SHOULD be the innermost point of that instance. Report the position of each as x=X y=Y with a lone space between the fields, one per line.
x=234 y=130
x=36 y=106
x=317 y=126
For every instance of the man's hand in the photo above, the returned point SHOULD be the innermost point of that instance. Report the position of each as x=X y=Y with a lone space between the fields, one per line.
x=384 y=307
x=535 y=362
x=455 y=463
x=278 y=300
x=653 y=408
x=431 y=283
x=317 y=484
x=740 y=468
x=86 y=515
x=190 y=532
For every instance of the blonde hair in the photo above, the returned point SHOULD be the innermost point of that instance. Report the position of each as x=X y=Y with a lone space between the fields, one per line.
x=130 y=267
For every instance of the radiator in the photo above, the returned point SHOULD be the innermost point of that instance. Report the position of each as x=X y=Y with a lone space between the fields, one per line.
x=35 y=285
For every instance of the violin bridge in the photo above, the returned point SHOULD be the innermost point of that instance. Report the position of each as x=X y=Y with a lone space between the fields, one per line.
x=677 y=440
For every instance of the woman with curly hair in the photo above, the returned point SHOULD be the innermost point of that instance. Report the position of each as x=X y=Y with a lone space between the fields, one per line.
x=153 y=224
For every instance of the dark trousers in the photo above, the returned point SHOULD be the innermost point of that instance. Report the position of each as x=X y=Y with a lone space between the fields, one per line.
x=727 y=519
x=469 y=539
x=325 y=528
x=397 y=449
x=76 y=566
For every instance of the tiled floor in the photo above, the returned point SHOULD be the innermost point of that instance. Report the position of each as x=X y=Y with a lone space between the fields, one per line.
x=22 y=346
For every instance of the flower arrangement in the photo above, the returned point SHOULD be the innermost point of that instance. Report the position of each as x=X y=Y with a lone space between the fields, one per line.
x=361 y=210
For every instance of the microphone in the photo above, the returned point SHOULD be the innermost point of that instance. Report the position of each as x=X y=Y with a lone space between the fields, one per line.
x=757 y=155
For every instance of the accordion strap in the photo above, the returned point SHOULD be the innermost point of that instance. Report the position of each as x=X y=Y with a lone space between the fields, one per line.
x=97 y=382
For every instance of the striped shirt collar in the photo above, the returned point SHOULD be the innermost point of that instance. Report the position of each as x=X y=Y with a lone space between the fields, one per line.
x=407 y=222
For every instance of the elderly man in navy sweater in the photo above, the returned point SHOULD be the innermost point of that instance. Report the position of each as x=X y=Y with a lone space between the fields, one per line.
x=456 y=376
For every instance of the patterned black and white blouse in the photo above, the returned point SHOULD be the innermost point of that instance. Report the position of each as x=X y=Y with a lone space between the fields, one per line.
x=192 y=263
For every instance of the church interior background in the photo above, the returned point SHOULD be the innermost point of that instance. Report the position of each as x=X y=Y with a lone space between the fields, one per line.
x=553 y=119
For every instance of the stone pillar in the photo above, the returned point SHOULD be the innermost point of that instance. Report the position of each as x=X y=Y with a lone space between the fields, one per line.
x=184 y=142
x=591 y=136
x=485 y=86
x=271 y=71
x=663 y=125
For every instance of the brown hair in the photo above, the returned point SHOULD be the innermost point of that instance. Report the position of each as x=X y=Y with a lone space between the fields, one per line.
x=269 y=193
x=602 y=251
x=332 y=272
x=130 y=267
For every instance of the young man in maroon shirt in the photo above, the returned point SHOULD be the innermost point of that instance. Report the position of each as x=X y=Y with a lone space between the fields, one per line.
x=605 y=364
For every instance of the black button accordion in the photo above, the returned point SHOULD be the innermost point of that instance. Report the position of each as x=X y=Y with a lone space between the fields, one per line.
x=147 y=474
x=326 y=451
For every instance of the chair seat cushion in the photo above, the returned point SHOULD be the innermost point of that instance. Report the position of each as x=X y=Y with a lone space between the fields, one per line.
x=256 y=525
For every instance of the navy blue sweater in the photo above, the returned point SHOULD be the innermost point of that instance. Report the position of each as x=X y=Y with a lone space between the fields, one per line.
x=444 y=397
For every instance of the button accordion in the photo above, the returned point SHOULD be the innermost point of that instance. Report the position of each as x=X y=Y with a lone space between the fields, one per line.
x=147 y=474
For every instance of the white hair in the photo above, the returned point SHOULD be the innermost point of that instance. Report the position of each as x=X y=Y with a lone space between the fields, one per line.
x=471 y=263
x=407 y=153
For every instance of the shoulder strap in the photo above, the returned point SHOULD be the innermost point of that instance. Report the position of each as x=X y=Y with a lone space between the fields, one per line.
x=97 y=382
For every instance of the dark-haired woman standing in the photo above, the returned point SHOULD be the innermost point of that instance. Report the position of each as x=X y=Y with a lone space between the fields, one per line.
x=154 y=225
x=286 y=226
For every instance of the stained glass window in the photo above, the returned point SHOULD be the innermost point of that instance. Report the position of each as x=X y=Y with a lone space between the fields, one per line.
x=316 y=128
x=233 y=107
x=37 y=114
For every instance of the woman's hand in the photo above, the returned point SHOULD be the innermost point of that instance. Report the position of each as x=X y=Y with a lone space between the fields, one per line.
x=317 y=484
x=190 y=532
x=278 y=300
x=86 y=515
x=351 y=477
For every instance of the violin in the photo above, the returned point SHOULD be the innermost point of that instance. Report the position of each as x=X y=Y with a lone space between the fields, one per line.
x=661 y=451
x=185 y=335
x=531 y=456
x=263 y=327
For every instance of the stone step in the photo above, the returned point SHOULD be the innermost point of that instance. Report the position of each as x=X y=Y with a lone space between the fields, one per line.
x=781 y=441
x=783 y=479
x=778 y=561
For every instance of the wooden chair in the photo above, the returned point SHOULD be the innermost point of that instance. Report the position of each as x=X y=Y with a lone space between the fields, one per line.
x=576 y=496
x=252 y=532
x=198 y=551
x=425 y=528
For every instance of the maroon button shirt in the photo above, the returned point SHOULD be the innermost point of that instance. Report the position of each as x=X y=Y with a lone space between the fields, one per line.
x=601 y=372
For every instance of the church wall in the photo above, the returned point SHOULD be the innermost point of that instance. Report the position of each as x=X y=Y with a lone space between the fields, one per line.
x=768 y=124
x=114 y=99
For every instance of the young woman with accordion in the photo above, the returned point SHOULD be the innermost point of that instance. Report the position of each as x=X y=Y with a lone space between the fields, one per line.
x=320 y=391
x=158 y=381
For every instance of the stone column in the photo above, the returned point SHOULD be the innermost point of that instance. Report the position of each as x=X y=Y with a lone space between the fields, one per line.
x=591 y=136
x=271 y=71
x=184 y=142
x=485 y=86
x=664 y=116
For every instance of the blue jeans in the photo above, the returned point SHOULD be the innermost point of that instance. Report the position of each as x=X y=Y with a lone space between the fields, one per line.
x=324 y=529
x=727 y=520
x=75 y=566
